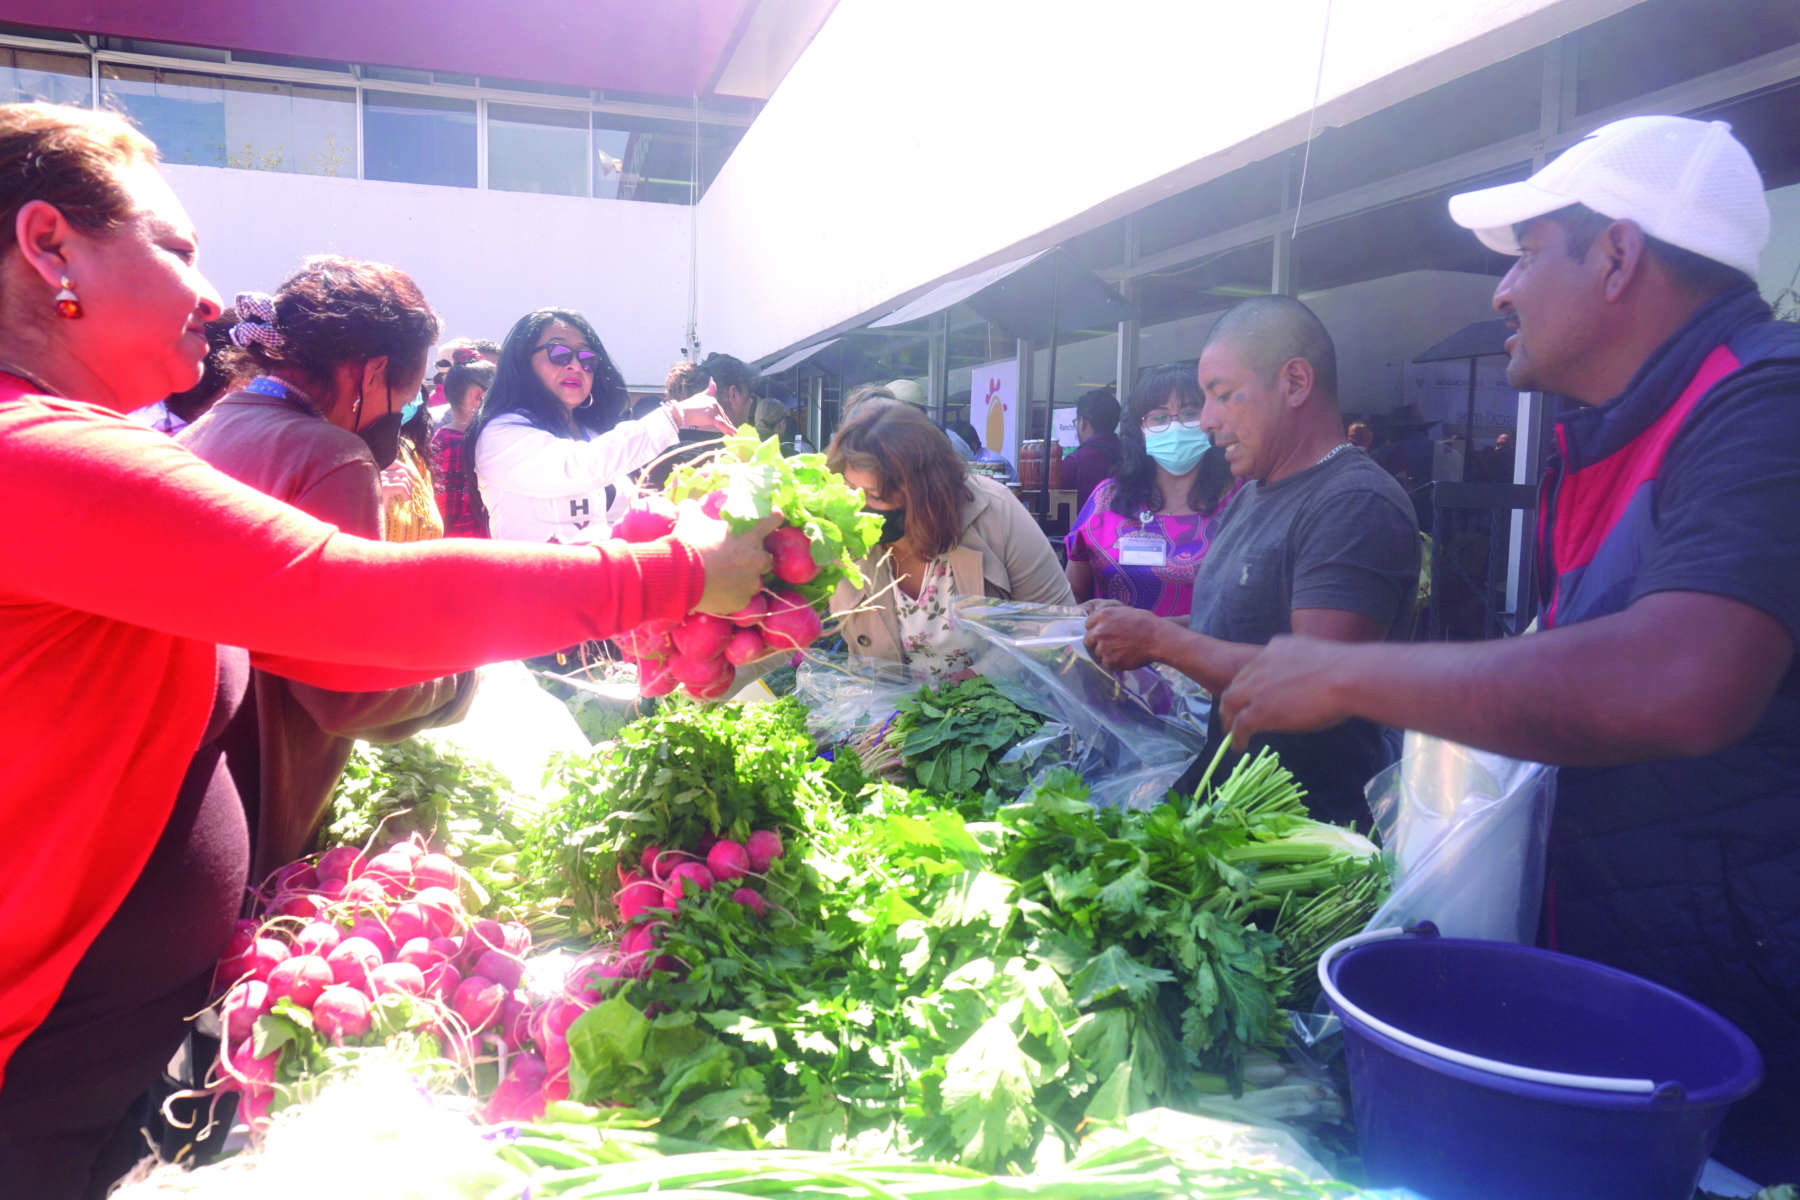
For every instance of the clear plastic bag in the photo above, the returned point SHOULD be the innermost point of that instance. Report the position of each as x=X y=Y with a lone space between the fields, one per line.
x=1129 y=734
x=1465 y=834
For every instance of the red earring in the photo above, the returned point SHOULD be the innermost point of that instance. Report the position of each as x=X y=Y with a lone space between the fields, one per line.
x=68 y=304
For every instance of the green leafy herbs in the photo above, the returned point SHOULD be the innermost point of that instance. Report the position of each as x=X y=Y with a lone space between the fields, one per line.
x=951 y=740
x=758 y=480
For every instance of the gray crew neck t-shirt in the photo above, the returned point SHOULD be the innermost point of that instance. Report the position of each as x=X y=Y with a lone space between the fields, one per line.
x=1340 y=535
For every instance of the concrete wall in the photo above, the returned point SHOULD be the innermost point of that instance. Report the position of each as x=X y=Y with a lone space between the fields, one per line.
x=483 y=258
x=916 y=139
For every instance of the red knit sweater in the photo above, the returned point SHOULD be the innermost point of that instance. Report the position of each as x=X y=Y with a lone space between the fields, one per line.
x=127 y=560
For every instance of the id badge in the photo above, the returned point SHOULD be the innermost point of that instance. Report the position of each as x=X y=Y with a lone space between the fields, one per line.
x=1143 y=550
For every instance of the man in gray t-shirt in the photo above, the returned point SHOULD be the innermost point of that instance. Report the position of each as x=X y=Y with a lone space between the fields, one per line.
x=1321 y=541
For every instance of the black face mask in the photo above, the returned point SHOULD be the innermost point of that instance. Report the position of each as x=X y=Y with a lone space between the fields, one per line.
x=893 y=523
x=382 y=436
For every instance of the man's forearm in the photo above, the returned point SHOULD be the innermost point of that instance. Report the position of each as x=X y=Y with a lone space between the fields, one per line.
x=1620 y=689
x=1208 y=660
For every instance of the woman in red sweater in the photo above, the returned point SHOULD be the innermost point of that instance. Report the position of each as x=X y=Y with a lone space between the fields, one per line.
x=129 y=564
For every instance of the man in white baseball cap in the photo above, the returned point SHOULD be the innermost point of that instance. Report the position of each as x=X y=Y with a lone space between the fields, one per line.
x=1665 y=683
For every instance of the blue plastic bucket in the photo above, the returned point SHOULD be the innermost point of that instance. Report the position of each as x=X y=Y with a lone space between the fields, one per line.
x=1489 y=1071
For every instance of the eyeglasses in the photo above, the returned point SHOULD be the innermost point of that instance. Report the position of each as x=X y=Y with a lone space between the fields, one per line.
x=1160 y=422
x=561 y=356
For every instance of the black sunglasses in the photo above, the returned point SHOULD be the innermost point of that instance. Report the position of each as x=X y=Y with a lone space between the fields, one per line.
x=561 y=356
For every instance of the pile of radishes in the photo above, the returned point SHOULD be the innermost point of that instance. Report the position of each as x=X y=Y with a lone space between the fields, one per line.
x=704 y=652
x=341 y=933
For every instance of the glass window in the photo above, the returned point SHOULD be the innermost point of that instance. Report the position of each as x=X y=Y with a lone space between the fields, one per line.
x=418 y=139
x=643 y=160
x=251 y=124
x=34 y=75
x=537 y=150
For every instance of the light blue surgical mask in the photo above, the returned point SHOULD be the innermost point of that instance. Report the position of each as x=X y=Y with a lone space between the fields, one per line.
x=1177 y=448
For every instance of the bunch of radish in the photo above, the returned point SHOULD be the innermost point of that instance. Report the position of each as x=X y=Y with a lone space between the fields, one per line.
x=649 y=899
x=824 y=535
x=704 y=652
x=339 y=934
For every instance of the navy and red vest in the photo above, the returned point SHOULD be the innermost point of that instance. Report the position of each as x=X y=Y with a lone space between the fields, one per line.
x=1682 y=870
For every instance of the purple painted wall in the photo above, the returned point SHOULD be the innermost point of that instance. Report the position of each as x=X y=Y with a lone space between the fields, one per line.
x=656 y=47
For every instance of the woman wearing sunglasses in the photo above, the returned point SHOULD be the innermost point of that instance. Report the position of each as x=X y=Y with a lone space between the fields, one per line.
x=550 y=448
x=1142 y=533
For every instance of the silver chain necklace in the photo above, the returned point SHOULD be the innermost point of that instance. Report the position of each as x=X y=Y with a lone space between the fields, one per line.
x=1334 y=452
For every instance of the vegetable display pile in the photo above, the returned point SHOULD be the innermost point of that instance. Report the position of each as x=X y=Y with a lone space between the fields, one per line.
x=923 y=984
x=824 y=535
x=355 y=954
x=459 y=806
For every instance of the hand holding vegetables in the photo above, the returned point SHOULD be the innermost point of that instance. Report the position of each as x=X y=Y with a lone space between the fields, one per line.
x=735 y=562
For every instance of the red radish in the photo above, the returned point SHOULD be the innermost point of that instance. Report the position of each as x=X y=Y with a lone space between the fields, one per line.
x=263 y=956
x=442 y=981
x=242 y=1065
x=435 y=871
x=449 y=947
x=713 y=503
x=519 y=1096
x=515 y=1023
x=296 y=877
x=791 y=624
x=353 y=960
x=442 y=909
x=421 y=953
x=340 y=862
x=376 y=934
x=483 y=935
x=637 y=897
x=701 y=636
x=556 y=1054
x=243 y=1004
x=702 y=674
x=648 y=518
x=746 y=645
x=688 y=873
x=556 y=1087
x=341 y=1012
x=792 y=551
x=763 y=847
x=645 y=644
x=728 y=860
x=640 y=940
x=243 y=936
x=392 y=871
x=397 y=977
x=304 y=905
x=362 y=894
x=300 y=980
x=646 y=864
x=501 y=967
x=333 y=888
x=666 y=862
x=477 y=1001
x=752 y=612
x=656 y=680
x=411 y=851
x=321 y=938
x=517 y=938
x=554 y=1021
x=750 y=900
x=405 y=923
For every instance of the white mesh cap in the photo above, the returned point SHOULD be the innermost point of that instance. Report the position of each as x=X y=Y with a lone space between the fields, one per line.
x=1685 y=182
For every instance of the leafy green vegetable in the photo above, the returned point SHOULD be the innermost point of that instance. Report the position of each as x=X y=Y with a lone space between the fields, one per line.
x=952 y=738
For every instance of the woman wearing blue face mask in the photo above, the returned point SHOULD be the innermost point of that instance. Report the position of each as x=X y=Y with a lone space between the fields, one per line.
x=1141 y=535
